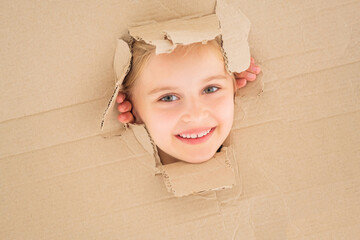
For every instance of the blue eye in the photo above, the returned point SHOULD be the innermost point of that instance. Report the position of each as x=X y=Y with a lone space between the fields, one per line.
x=169 y=98
x=172 y=98
x=211 y=89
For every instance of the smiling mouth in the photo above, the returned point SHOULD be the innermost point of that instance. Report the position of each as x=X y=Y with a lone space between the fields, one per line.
x=197 y=138
x=193 y=135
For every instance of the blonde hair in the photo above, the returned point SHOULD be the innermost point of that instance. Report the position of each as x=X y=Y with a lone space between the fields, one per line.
x=141 y=53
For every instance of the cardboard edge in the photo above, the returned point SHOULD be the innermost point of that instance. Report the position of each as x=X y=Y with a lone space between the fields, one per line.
x=228 y=18
x=122 y=61
x=225 y=153
x=144 y=139
x=165 y=33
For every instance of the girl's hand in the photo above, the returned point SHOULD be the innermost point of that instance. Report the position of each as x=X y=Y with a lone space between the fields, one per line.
x=247 y=75
x=124 y=107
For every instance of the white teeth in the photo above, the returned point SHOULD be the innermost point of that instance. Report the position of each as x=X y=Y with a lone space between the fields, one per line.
x=195 y=135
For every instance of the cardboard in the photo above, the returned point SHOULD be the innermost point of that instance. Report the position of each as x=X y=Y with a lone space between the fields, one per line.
x=183 y=178
x=167 y=35
x=296 y=144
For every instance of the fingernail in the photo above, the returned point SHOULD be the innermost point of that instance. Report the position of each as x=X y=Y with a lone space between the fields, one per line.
x=251 y=75
x=122 y=116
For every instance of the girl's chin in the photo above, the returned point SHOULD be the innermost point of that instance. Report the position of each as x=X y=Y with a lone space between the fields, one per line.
x=198 y=159
x=198 y=156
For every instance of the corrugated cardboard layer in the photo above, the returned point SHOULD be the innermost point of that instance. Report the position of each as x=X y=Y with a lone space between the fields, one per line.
x=298 y=142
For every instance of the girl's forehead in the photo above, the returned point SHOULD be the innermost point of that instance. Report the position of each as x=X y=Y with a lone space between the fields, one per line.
x=187 y=57
x=180 y=68
x=185 y=66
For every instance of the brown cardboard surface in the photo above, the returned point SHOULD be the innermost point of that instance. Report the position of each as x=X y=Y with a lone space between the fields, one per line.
x=297 y=144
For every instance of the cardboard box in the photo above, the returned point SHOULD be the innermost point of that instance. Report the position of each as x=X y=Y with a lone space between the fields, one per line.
x=298 y=142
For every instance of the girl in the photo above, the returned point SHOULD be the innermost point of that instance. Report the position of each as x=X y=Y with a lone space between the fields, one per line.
x=185 y=98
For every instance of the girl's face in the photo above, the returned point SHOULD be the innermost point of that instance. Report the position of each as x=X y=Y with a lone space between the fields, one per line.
x=186 y=102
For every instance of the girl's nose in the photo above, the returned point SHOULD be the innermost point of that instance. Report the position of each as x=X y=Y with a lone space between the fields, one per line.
x=195 y=111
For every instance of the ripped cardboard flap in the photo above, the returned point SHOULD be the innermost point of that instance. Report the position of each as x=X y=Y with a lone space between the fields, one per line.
x=183 y=178
x=167 y=35
x=122 y=61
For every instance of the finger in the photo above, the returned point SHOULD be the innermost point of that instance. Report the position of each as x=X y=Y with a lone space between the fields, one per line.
x=241 y=82
x=124 y=106
x=126 y=117
x=121 y=97
x=254 y=69
x=247 y=75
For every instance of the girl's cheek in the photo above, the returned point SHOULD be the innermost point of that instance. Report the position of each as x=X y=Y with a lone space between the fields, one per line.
x=161 y=123
x=223 y=100
x=223 y=107
x=164 y=113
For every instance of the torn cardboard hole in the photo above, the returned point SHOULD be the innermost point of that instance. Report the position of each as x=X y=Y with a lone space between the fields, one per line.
x=183 y=178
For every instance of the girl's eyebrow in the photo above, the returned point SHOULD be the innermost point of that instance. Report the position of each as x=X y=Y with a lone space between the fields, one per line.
x=170 y=88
